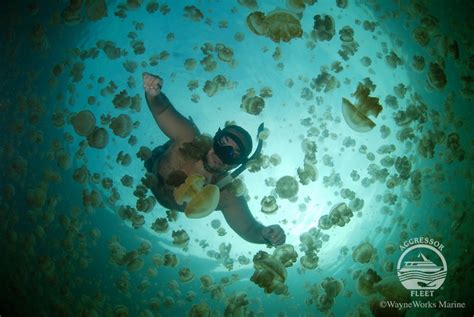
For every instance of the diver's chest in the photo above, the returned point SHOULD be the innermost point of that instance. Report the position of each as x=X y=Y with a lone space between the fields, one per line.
x=175 y=166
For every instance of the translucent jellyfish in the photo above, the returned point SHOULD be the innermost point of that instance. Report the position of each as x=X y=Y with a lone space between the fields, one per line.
x=252 y=104
x=190 y=64
x=81 y=175
x=278 y=25
x=366 y=61
x=421 y=36
x=287 y=187
x=250 y=4
x=201 y=201
x=146 y=204
x=135 y=264
x=307 y=174
x=356 y=204
x=180 y=238
x=324 y=82
x=206 y=282
x=121 y=310
x=467 y=89
x=92 y=198
x=224 y=53
x=342 y=3
x=266 y=92
x=332 y=287
x=83 y=122
x=356 y=116
x=237 y=187
x=36 y=197
x=170 y=259
x=403 y=167
x=193 y=13
x=98 y=139
x=236 y=305
x=268 y=204
x=323 y=28
x=122 y=125
x=208 y=63
x=160 y=225
x=309 y=261
x=96 y=10
x=346 y=34
x=269 y=273
x=127 y=181
x=200 y=310
x=63 y=159
x=363 y=253
x=144 y=153
x=366 y=282
x=275 y=159
x=393 y=60
x=185 y=275
x=123 y=158
x=210 y=88
x=436 y=76
x=418 y=63
x=286 y=254
x=324 y=222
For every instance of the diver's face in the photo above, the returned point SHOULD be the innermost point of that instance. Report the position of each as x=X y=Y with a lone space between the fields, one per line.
x=216 y=162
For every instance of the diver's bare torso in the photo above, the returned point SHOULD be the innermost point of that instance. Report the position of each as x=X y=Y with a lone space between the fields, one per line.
x=173 y=167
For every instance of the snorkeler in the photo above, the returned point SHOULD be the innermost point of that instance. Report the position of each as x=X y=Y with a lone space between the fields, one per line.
x=191 y=168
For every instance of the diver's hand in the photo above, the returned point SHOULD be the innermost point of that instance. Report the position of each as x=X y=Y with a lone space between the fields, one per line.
x=274 y=234
x=152 y=84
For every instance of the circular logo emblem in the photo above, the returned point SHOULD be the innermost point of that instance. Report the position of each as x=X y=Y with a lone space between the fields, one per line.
x=422 y=267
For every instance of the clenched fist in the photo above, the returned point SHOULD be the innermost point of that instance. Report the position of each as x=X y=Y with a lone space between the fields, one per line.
x=152 y=84
x=274 y=234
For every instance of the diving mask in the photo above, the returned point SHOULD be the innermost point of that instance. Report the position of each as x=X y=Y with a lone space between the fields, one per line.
x=227 y=153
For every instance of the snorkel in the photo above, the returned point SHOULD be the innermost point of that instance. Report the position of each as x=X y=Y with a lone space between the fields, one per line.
x=230 y=177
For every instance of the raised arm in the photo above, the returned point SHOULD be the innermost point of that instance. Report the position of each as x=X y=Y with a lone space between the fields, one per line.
x=240 y=219
x=170 y=121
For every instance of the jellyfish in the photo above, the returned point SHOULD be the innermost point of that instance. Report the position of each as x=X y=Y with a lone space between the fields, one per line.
x=252 y=104
x=269 y=273
x=193 y=13
x=356 y=116
x=83 y=122
x=122 y=125
x=98 y=139
x=200 y=310
x=436 y=76
x=286 y=254
x=323 y=27
x=201 y=201
x=269 y=204
x=363 y=253
x=185 y=275
x=180 y=238
x=278 y=25
x=160 y=225
x=287 y=187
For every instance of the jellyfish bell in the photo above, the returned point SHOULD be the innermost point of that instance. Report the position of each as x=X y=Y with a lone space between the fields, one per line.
x=356 y=116
x=98 y=139
x=204 y=202
x=83 y=122
x=287 y=187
